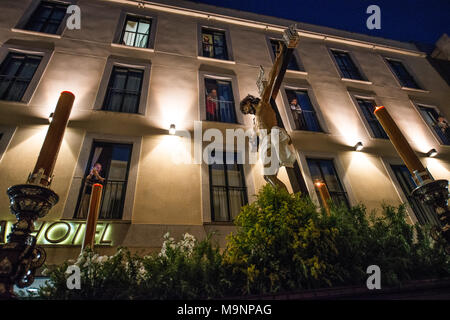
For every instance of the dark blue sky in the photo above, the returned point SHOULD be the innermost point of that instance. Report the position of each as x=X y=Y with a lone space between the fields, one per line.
x=414 y=20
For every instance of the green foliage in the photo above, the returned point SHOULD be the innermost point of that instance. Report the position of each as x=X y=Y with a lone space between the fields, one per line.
x=282 y=243
x=186 y=269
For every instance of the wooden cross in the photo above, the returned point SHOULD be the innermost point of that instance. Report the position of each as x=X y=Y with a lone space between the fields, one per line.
x=268 y=89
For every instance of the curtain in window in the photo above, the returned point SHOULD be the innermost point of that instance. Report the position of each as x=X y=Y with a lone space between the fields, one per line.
x=96 y=155
x=130 y=32
x=219 y=46
x=124 y=90
x=226 y=103
x=130 y=101
x=118 y=84
x=220 y=204
x=308 y=113
x=235 y=192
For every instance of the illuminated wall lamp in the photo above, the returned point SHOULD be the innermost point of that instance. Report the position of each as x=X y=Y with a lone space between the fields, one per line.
x=172 y=129
x=50 y=118
x=432 y=153
x=359 y=146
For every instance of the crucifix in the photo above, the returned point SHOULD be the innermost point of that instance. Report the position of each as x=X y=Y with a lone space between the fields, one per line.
x=276 y=143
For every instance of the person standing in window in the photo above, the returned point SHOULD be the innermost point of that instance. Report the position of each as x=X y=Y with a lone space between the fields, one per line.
x=296 y=112
x=444 y=127
x=93 y=178
x=211 y=105
x=207 y=46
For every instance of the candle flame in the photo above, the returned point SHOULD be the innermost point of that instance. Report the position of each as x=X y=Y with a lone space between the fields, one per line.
x=378 y=108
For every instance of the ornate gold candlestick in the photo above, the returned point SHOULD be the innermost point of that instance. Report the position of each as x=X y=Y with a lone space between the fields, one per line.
x=433 y=193
x=20 y=257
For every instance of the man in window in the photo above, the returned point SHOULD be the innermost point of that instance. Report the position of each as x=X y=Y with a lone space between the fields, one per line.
x=296 y=112
x=443 y=126
x=92 y=178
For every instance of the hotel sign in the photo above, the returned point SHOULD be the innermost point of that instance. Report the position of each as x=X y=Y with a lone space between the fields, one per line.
x=55 y=233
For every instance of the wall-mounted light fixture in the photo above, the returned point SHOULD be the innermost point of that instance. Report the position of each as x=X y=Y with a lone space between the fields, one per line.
x=359 y=146
x=172 y=129
x=432 y=153
x=50 y=118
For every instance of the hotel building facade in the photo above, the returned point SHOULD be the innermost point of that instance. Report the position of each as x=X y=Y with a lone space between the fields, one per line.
x=137 y=67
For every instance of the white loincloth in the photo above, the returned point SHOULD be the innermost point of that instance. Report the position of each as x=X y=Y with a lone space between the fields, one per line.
x=284 y=156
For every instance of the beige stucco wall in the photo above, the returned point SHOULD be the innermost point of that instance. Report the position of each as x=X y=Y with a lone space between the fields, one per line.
x=168 y=197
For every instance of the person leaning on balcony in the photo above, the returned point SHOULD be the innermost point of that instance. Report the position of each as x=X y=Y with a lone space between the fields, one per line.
x=91 y=179
x=296 y=111
x=211 y=105
x=444 y=126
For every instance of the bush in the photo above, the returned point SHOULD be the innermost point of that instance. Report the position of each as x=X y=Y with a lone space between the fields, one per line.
x=186 y=269
x=282 y=243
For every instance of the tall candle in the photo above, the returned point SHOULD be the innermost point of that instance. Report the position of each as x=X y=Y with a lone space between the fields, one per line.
x=47 y=157
x=91 y=221
x=400 y=143
x=324 y=195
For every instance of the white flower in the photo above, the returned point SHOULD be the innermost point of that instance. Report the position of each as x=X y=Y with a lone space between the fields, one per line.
x=102 y=259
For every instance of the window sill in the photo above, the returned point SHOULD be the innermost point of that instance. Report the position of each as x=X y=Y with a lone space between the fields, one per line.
x=117 y=45
x=118 y=112
x=216 y=60
x=219 y=223
x=98 y=221
x=303 y=73
x=415 y=90
x=35 y=33
x=20 y=103
x=356 y=81
x=309 y=132
x=208 y=124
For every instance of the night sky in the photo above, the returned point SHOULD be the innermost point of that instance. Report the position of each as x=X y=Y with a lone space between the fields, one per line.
x=421 y=21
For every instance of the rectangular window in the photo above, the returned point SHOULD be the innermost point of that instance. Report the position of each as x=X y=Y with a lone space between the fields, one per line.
x=437 y=122
x=47 y=17
x=302 y=110
x=424 y=214
x=323 y=170
x=112 y=163
x=296 y=179
x=136 y=32
x=219 y=101
x=227 y=188
x=406 y=80
x=124 y=90
x=293 y=64
x=367 y=108
x=214 y=44
x=346 y=65
x=16 y=72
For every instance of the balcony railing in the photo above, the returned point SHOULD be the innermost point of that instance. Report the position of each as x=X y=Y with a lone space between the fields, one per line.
x=306 y=120
x=444 y=136
x=113 y=197
x=223 y=111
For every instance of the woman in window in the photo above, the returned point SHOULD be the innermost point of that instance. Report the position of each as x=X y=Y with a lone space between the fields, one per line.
x=211 y=105
x=93 y=178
